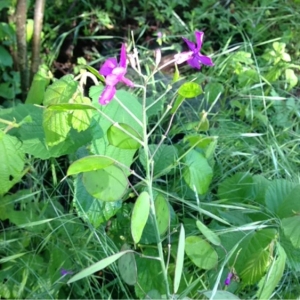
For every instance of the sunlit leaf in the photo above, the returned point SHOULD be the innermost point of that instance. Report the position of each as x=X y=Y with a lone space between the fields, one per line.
x=190 y=90
x=209 y=234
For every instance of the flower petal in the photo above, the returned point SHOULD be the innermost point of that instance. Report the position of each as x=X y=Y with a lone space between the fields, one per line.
x=199 y=40
x=107 y=95
x=205 y=60
x=183 y=56
x=190 y=44
x=113 y=79
x=194 y=62
x=108 y=66
x=123 y=57
x=127 y=81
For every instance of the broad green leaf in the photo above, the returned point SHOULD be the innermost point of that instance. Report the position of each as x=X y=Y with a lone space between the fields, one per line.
x=190 y=90
x=139 y=216
x=291 y=229
x=61 y=91
x=291 y=78
x=127 y=266
x=149 y=275
x=255 y=255
x=179 y=259
x=108 y=184
x=100 y=265
x=38 y=86
x=282 y=198
x=118 y=138
x=164 y=158
x=81 y=118
x=269 y=282
x=200 y=253
x=5 y=58
x=89 y=163
x=239 y=187
x=197 y=172
x=213 y=90
x=12 y=161
x=162 y=213
x=56 y=125
x=90 y=209
x=209 y=234
x=292 y=253
x=220 y=295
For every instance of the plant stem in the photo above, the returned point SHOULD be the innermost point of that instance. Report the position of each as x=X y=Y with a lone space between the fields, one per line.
x=149 y=178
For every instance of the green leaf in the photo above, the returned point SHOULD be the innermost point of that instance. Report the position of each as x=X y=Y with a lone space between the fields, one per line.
x=213 y=90
x=291 y=229
x=120 y=139
x=61 y=91
x=200 y=253
x=139 y=216
x=164 y=158
x=190 y=90
x=89 y=163
x=291 y=78
x=179 y=259
x=149 y=275
x=38 y=86
x=12 y=161
x=5 y=58
x=162 y=213
x=220 y=295
x=90 y=209
x=127 y=266
x=178 y=102
x=197 y=172
x=282 y=198
x=100 y=265
x=269 y=282
x=56 y=125
x=108 y=184
x=209 y=234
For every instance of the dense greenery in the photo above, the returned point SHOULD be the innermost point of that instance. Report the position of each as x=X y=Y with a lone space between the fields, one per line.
x=184 y=186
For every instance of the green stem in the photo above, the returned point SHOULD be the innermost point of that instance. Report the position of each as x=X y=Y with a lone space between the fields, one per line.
x=149 y=178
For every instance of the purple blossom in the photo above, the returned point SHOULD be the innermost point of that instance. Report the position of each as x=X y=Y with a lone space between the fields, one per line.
x=114 y=73
x=228 y=278
x=65 y=272
x=193 y=57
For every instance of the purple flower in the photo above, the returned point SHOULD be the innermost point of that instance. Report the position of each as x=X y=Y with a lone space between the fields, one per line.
x=114 y=74
x=228 y=278
x=193 y=57
x=65 y=272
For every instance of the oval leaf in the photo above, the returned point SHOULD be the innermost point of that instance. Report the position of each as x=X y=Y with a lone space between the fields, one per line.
x=190 y=90
x=127 y=266
x=209 y=234
x=162 y=213
x=139 y=216
x=89 y=163
x=120 y=139
x=107 y=184
x=200 y=252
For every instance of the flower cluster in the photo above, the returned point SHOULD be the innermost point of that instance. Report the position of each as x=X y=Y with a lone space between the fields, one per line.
x=114 y=72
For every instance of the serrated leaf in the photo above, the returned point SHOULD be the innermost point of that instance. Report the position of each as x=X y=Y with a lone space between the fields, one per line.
x=200 y=252
x=139 y=216
x=179 y=258
x=120 y=139
x=197 y=172
x=12 y=161
x=56 y=125
x=108 y=184
x=291 y=229
x=269 y=282
x=127 y=266
x=89 y=163
x=209 y=234
x=97 y=266
x=61 y=91
x=190 y=90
